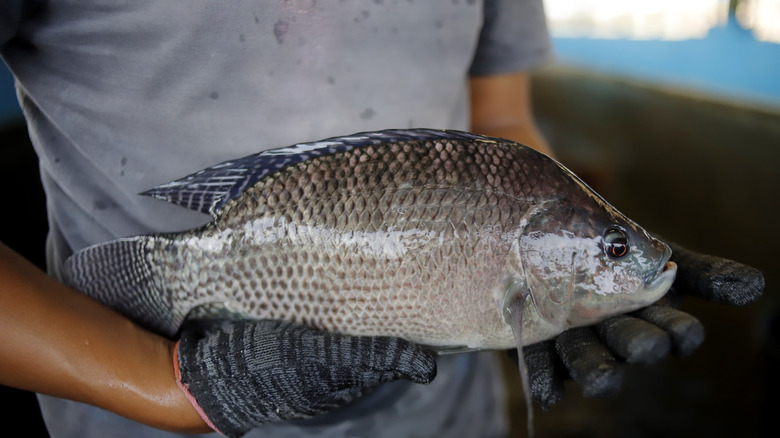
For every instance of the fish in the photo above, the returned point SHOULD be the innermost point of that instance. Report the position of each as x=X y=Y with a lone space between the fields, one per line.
x=445 y=238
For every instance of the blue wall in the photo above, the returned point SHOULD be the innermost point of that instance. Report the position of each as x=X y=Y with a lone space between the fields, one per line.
x=9 y=107
x=729 y=62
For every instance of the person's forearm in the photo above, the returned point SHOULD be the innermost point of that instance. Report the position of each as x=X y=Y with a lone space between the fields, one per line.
x=501 y=107
x=56 y=341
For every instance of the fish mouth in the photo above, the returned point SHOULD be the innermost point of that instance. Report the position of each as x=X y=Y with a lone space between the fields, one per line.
x=662 y=279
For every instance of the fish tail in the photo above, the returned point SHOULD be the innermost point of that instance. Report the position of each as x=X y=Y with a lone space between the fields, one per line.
x=121 y=275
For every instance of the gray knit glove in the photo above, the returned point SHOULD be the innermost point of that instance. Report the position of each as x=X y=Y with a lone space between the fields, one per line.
x=593 y=356
x=240 y=374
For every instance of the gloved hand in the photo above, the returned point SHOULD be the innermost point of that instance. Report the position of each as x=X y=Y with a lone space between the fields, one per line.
x=240 y=374
x=592 y=356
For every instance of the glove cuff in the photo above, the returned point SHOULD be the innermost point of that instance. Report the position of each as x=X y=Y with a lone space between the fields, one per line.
x=183 y=386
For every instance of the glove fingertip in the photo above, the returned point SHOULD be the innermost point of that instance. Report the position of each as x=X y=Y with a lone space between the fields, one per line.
x=546 y=388
x=550 y=396
x=603 y=382
x=589 y=362
x=544 y=375
x=684 y=330
x=736 y=288
x=422 y=367
x=634 y=340
x=396 y=358
x=687 y=339
x=717 y=279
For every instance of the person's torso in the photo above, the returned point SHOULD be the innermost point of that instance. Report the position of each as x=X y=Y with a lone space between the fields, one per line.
x=123 y=96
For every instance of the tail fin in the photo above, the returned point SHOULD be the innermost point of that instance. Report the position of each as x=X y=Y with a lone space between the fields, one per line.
x=120 y=274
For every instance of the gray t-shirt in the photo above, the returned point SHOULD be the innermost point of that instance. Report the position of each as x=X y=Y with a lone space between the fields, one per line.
x=123 y=96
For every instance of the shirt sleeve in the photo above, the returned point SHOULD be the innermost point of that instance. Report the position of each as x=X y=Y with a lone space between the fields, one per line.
x=513 y=38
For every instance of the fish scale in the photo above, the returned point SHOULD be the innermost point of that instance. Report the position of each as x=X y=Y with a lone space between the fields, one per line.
x=423 y=234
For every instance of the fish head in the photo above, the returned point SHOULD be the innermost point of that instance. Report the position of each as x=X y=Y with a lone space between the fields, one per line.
x=583 y=261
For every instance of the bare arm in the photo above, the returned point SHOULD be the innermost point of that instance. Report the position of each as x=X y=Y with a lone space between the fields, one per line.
x=56 y=341
x=501 y=107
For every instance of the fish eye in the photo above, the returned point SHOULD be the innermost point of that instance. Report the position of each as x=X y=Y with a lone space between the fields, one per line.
x=616 y=243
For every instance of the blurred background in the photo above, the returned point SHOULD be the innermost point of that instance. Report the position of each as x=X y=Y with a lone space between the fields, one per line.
x=671 y=110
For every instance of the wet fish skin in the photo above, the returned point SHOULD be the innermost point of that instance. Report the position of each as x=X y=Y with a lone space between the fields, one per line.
x=421 y=234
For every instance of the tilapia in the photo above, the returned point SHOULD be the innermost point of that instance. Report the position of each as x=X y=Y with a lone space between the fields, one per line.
x=444 y=238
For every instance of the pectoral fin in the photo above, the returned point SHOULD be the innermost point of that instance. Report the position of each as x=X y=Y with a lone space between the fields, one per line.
x=513 y=315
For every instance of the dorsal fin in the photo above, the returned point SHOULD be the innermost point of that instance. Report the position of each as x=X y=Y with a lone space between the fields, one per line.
x=210 y=189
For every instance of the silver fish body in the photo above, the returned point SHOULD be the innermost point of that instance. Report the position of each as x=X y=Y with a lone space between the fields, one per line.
x=433 y=236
